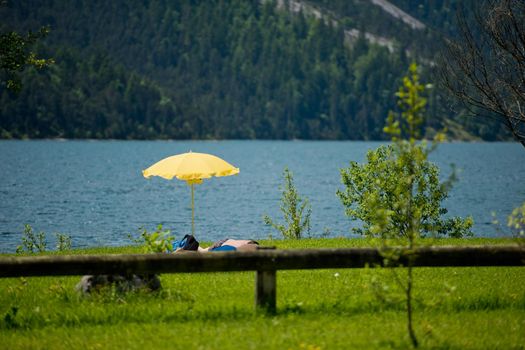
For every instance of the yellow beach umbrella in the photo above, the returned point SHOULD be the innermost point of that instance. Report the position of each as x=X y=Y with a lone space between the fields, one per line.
x=191 y=167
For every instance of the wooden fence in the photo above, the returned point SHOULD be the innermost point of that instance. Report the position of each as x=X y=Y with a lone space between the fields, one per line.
x=265 y=262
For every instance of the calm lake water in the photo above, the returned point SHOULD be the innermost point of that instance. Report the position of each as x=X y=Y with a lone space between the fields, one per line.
x=95 y=192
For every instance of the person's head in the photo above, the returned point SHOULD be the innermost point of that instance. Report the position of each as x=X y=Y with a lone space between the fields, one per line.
x=188 y=243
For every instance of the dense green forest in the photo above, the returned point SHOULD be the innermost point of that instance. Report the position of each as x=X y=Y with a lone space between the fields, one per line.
x=219 y=69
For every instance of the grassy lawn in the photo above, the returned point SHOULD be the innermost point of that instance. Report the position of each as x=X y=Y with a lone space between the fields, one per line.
x=456 y=308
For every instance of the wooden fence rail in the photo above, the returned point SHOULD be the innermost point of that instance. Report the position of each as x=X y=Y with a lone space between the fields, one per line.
x=265 y=262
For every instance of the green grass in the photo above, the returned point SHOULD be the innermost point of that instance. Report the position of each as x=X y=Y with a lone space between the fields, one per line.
x=456 y=308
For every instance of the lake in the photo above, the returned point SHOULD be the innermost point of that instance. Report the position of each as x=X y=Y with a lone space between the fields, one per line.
x=94 y=191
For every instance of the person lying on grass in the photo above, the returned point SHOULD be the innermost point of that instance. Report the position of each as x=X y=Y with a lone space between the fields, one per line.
x=151 y=282
x=189 y=243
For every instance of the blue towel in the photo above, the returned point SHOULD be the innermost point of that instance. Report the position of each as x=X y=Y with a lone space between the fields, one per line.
x=223 y=248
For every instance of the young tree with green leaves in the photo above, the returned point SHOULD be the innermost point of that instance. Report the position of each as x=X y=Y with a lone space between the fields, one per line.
x=397 y=194
x=296 y=211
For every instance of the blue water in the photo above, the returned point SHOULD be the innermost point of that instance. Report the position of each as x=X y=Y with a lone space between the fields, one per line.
x=94 y=190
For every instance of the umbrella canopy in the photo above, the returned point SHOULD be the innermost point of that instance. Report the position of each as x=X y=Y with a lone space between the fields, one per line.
x=191 y=167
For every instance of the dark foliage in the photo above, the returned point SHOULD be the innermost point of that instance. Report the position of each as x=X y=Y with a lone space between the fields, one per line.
x=219 y=69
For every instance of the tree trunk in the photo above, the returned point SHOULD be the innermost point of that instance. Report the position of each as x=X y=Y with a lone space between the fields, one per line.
x=411 y=332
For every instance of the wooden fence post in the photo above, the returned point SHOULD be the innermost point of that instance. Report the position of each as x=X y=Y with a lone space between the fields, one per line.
x=265 y=290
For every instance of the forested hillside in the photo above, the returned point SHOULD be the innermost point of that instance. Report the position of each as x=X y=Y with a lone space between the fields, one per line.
x=189 y=69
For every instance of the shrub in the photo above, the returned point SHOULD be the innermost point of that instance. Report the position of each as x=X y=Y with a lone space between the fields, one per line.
x=32 y=242
x=63 y=242
x=296 y=211
x=516 y=222
x=397 y=192
x=158 y=241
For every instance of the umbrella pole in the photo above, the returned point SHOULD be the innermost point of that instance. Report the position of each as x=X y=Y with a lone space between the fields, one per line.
x=192 y=212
